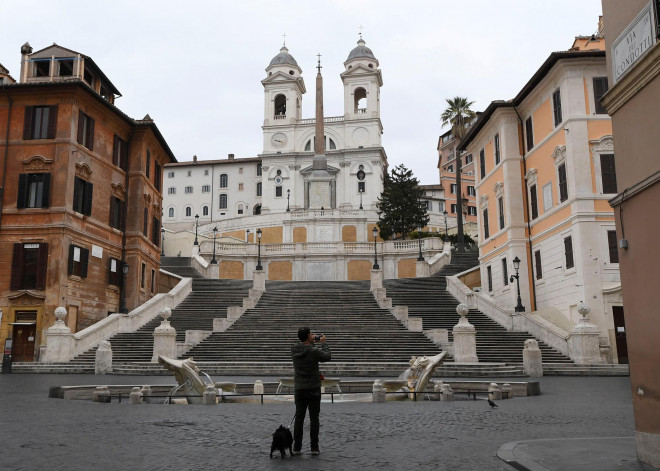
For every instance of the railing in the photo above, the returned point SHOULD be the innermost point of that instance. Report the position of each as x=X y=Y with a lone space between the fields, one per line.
x=280 y=116
x=332 y=119
x=361 y=111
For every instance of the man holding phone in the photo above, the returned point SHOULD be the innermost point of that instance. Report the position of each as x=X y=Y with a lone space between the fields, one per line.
x=306 y=355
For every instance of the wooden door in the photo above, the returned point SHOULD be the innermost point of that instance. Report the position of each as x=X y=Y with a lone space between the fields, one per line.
x=23 y=342
x=620 y=334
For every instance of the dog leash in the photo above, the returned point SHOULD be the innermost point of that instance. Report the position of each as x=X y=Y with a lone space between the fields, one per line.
x=292 y=419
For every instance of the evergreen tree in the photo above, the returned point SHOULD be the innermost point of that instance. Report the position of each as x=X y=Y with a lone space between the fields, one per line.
x=400 y=208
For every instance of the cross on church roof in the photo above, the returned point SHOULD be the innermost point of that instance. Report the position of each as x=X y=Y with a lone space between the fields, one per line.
x=284 y=38
x=361 y=27
x=319 y=66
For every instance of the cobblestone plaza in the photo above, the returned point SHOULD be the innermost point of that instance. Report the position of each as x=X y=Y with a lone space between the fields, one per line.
x=38 y=432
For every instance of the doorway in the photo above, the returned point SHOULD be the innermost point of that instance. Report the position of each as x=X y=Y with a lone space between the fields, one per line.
x=23 y=342
x=620 y=334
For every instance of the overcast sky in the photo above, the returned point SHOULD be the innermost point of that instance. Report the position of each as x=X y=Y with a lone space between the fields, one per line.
x=196 y=66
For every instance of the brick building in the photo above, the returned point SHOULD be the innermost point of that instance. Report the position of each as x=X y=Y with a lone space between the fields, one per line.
x=80 y=198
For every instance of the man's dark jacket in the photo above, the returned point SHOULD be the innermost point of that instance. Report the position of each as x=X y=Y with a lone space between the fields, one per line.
x=306 y=360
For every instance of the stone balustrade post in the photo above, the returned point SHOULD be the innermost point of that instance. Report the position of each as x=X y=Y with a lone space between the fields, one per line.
x=221 y=324
x=259 y=280
x=258 y=387
x=532 y=359
x=146 y=394
x=103 y=358
x=494 y=392
x=465 y=341
x=507 y=391
x=213 y=271
x=376 y=279
x=210 y=395
x=422 y=269
x=415 y=324
x=59 y=340
x=234 y=312
x=101 y=394
x=584 y=341
x=400 y=313
x=164 y=337
x=378 y=393
x=135 y=396
x=447 y=393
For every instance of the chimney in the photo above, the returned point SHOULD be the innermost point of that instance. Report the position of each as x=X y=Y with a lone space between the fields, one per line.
x=26 y=50
x=230 y=156
x=194 y=158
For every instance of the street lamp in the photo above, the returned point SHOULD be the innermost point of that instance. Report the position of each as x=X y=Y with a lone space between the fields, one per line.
x=419 y=237
x=215 y=231
x=259 y=267
x=247 y=236
x=162 y=241
x=288 y=193
x=375 y=233
x=122 y=299
x=196 y=224
x=516 y=266
x=445 y=213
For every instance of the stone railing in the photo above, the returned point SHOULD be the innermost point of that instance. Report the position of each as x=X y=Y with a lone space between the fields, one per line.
x=331 y=119
x=567 y=343
x=62 y=345
x=439 y=260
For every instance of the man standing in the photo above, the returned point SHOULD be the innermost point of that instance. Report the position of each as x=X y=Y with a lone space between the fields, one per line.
x=306 y=356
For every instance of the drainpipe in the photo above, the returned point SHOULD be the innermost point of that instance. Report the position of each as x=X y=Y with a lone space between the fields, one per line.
x=122 y=292
x=529 y=226
x=4 y=165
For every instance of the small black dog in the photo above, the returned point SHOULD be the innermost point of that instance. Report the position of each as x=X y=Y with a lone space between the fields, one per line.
x=282 y=439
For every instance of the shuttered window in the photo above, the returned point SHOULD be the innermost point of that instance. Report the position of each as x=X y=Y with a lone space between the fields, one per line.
x=529 y=133
x=600 y=88
x=29 y=265
x=608 y=173
x=556 y=107
x=497 y=149
x=533 y=201
x=489 y=273
x=78 y=261
x=611 y=244
x=115 y=272
x=120 y=153
x=155 y=231
x=33 y=190
x=500 y=205
x=147 y=165
x=505 y=272
x=485 y=224
x=568 y=252
x=82 y=196
x=145 y=222
x=157 y=175
x=537 y=263
x=85 y=130
x=482 y=163
x=117 y=213
x=563 y=183
x=40 y=122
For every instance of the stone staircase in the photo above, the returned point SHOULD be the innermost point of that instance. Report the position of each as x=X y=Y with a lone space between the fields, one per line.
x=181 y=266
x=428 y=298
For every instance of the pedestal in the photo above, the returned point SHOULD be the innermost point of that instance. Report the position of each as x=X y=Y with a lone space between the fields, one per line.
x=465 y=340
x=164 y=337
x=103 y=359
x=376 y=279
x=59 y=340
x=259 y=280
x=584 y=342
x=532 y=359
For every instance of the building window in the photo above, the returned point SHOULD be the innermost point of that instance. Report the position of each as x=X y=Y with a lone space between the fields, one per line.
x=240 y=187
x=563 y=183
x=258 y=170
x=223 y=201
x=471 y=191
x=472 y=210
x=608 y=173
x=28 y=266
x=361 y=187
x=170 y=212
x=78 y=260
x=155 y=231
x=537 y=263
x=240 y=170
x=468 y=159
x=82 y=196
x=497 y=149
x=205 y=211
x=482 y=163
x=147 y=165
x=189 y=173
x=171 y=191
x=556 y=107
x=153 y=280
x=505 y=272
x=114 y=276
x=40 y=122
x=240 y=209
x=206 y=188
x=278 y=191
x=85 y=130
x=117 y=213
x=453 y=208
x=450 y=168
x=143 y=275
x=489 y=273
x=42 y=68
x=533 y=201
x=256 y=210
x=280 y=106
x=600 y=88
x=568 y=252
x=259 y=187
x=452 y=188
x=33 y=190
x=224 y=180
x=120 y=153
x=188 y=211
x=170 y=174
x=485 y=224
x=529 y=133
x=500 y=207
x=145 y=222
x=157 y=176
x=188 y=190
x=612 y=247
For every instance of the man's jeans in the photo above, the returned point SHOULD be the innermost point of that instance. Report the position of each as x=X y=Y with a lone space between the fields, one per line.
x=307 y=398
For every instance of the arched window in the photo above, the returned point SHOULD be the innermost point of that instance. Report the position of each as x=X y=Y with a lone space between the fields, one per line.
x=223 y=201
x=259 y=188
x=205 y=211
x=188 y=211
x=259 y=169
x=224 y=181
x=170 y=212
x=240 y=209
x=308 y=146
x=360 y=97
x=280 y=106
x=256 y=210
x=329 y=144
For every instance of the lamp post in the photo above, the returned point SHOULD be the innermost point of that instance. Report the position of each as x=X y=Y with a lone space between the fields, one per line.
x=247 y=236
x=288 y=193
x=375 y=233
x=516 y=266
x=259 y=267
x=162 y=241
x=445 y=213
x=215 y=231
x=361 y=191
x=122 y=299
x=419 y=237
x=196 y=224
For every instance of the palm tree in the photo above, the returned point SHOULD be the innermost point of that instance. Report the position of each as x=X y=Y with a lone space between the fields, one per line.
x=459 y=115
